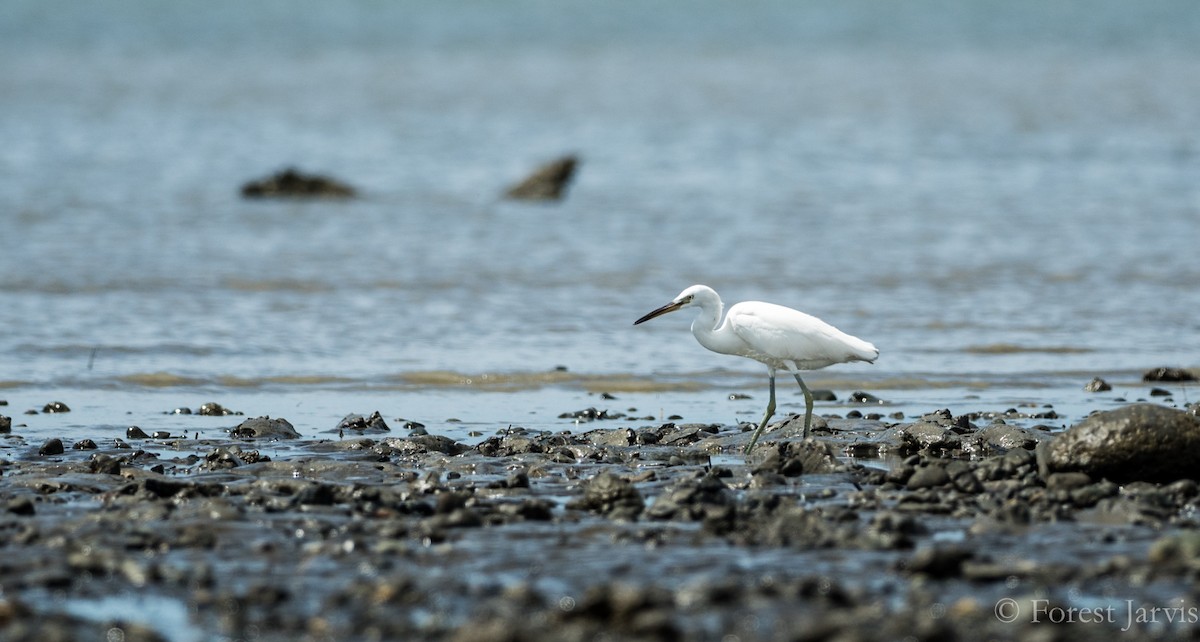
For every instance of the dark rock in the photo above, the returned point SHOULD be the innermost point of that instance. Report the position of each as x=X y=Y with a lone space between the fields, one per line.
x=426 y=444
x=823 y=395
x=892 y=530
x=1143 y=442
x=104 y=464
x=610 y=495
x=372 y=424
x=224 y=457
x=517 y=479
x=931 y=475
x=685 y=435
x=1067 y=481
x=5 y=424
x=618 y=437
x=214 y=409
x=591 y=414
x=21 y=506
x=317 y=495
x=928 y=436
x=133 y=432
x=803 y=458
x=859 y=396
x=939 y=562
x=291 y=183
x=163 y=487
x=548 y=182
x=265 y=428
x=962 y=475
x=55 y=406
x=1004 y=437
x=1159 y=392
x=85 y=444
x=1086 y=496
x=704 y=498
x=1180 y=550
x=1168 y=374
x=1097 y=385
x=51 y=447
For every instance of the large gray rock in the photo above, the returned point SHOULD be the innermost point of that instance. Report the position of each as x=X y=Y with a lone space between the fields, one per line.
x=265 y=428
x=1141 y=442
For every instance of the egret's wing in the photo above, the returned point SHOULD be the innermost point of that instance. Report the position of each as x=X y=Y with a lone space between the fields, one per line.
x=774 y=332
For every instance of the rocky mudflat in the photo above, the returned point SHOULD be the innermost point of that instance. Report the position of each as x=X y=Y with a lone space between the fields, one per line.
x=943 y=527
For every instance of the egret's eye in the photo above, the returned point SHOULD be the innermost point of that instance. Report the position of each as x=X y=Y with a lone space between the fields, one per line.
x=688 y=298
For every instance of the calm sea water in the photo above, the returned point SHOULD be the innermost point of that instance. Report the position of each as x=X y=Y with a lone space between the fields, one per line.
x=1003 y=196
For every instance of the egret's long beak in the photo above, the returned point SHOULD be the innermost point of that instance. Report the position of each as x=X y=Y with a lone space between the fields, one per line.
x=670 y=307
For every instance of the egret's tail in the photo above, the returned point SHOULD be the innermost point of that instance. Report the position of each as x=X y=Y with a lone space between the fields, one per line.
x=864 y=350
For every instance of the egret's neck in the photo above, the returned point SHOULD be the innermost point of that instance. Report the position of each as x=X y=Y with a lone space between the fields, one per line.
x=708 y=331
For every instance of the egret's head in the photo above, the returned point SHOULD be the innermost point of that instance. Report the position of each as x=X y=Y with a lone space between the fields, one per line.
x=690 y=297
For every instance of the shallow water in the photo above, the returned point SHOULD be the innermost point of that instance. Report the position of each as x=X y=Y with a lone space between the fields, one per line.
x=1001 y=196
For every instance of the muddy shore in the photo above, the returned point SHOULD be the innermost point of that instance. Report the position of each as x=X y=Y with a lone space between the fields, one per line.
x=938 y=527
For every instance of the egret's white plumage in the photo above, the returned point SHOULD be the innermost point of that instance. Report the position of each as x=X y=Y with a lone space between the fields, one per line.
x=779 y=337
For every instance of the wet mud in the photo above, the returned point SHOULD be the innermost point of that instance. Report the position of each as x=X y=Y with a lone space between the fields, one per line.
x=938 y=527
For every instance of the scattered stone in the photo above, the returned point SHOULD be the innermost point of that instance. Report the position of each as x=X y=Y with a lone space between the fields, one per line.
x=1097 y=385
x=939 y=562
x=548 y=182
x=703 y=498
x=55 y=406
x=373 y=424
x=21 y=506
x=914 y=545
x=1168 y=374
x=859 y=396
x=426 y=443
x=1159 y=392
x=795 y=458
x=133 y=432
x=104 y=464
x=51 y=447
x=591 y=414
x=933 y=433
x=930 y=475
x=1067 y=481
x=1180 y=550
x=85 y=444
x=5 y=424
x=291 y=183
x=214 y=409
x=1140 y=442
x=611 y=496
x=1001 y=438
x=265 y=428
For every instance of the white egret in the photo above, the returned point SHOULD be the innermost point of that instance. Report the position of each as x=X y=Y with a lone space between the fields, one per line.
x=779 y=337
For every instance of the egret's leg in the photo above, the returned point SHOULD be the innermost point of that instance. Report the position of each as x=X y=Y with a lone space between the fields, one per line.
x=766 y=417
x=808 y=404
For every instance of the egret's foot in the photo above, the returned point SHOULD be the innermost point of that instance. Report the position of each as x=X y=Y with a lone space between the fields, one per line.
x=754 y=438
